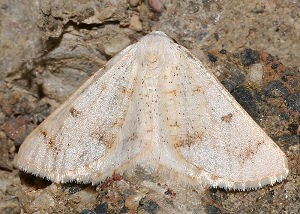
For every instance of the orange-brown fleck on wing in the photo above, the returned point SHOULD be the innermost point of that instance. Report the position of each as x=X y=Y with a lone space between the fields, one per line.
x=227 y=118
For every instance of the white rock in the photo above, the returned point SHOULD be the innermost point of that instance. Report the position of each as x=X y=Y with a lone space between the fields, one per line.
x=256 y=74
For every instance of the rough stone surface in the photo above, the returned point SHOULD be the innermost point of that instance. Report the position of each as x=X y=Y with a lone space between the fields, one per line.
x=49 y=47
x=293 y=102
x=244 y=96
x=249 y=57
x=116 y=44
x=212 y=210
x=101 y=208
x=275 y=89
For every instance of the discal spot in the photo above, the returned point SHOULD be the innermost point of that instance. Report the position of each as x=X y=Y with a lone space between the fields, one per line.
x=174 y=124
x=124 y=90
x=51 y=141
x=197 y=89
x=44 y=133
x=187 y=140
x=172 y=92
x=74 y=112
x=104 y=138
x=227 y=118
x=249 y=153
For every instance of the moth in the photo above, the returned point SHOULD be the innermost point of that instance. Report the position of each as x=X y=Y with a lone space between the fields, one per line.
x=154 y=105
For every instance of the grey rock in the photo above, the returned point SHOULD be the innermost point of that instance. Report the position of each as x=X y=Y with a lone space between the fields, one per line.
x=246 y=100
x=249 y=57
x=294 y=83
x=101 y=208
x=124 y=210
x=212 y=57
x=116 y=44
x=212 y=210
x=55 y=88
x=284 y=115
x=201 y=36
x=275 y=89
x=86 y=212
x=275 y=65
x=149 y=206
x=235 y=79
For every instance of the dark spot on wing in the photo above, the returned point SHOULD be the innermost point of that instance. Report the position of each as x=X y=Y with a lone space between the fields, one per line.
x=259 y=143
x=248 y=153
x=105 y=138
x=197 y=89
x=74 y=112
x=174 y=92
x=44 y=133
x=227 y=118
x=188 y=139
x=51 y=141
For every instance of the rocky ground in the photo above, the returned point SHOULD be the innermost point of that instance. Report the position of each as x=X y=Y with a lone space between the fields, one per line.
x=48 y=48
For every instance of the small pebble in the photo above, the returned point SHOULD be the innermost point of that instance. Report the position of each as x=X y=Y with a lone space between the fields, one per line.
x=156 y=5
x=135 y=23
x=269 y=59
x=133 y=3
x=212 y=57
x=15 y=129
x=86 y=212
x=250 y=57
x=101 y=208
x=275 y=65
x=223 y=51
x=294 y=83
x=212 y=210
x=256 y=74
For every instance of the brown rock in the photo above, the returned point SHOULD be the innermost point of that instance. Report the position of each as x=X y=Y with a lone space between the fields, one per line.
x=7 y=102
x=133 y=3
x=5 y=163
x=135 y=23
x=15 y=129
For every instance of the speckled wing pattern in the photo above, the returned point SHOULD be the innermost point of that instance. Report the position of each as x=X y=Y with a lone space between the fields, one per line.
x=154 y=105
